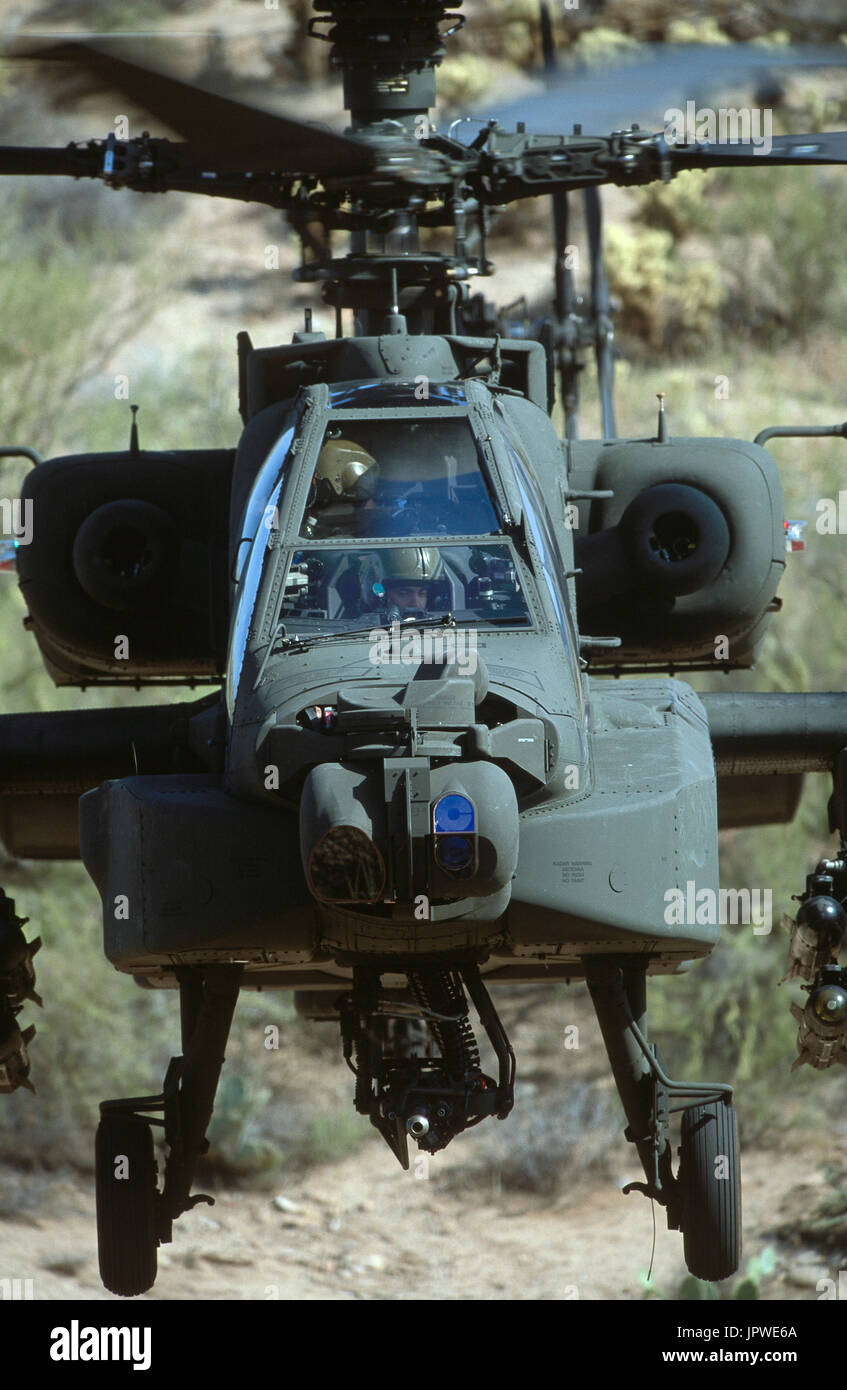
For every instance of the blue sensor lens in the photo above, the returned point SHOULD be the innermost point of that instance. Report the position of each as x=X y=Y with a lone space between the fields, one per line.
x=454 y=853
x=452 y=814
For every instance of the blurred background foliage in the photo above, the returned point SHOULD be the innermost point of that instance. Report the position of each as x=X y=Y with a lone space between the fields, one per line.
x=728 y=278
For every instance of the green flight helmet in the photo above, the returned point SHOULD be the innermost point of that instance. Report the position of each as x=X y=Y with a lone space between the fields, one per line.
x=420 y=564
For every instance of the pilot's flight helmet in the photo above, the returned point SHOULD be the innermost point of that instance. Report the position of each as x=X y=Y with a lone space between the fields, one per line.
x=345 y=472
x=420 y=564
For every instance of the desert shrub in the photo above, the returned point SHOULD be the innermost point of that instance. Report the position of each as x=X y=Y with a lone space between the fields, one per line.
x=550 y=1136
x=98 y=1035
x=112 y=14
x=728 y=1020
x=463 y=81
x=680 y=207
x=704 y=29
x=664 y=301
x=779 y=247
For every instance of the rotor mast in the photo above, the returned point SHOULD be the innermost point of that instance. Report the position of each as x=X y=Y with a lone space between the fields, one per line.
x=387 y=53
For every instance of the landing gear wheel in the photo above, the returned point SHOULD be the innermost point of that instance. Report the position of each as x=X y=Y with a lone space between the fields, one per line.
x=710 y=1184
x=126 y=1204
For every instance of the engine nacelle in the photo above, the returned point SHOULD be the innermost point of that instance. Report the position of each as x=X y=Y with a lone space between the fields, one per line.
x=125 y=575
x=689 y=550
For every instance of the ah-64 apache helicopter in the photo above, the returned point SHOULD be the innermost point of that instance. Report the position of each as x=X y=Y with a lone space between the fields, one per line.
x=416 y=783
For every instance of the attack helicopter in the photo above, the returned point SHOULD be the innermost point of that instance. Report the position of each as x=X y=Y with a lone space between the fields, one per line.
x=416 y=780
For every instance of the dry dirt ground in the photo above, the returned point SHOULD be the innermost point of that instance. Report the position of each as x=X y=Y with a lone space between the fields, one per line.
x=362 y=1229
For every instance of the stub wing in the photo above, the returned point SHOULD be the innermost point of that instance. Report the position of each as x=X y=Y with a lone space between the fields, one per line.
x=763 y=745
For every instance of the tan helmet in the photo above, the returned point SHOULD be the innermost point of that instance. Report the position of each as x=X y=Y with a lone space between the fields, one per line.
x=418 y=564
x=345 y=472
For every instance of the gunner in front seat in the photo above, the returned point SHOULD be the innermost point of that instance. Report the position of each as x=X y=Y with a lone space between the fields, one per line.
x=409 y=578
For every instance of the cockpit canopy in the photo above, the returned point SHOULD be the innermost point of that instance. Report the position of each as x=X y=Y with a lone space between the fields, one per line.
x=375 y=507
x=399 y=477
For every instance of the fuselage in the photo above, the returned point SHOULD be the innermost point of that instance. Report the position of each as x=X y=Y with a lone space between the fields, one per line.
x=417 y=763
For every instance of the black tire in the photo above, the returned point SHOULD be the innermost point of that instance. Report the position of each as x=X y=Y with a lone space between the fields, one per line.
x=710 y=1183
x=126 y=1205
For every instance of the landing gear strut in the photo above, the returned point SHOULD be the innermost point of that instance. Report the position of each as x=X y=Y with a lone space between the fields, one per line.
x=133 y=1216
x=703 y=1200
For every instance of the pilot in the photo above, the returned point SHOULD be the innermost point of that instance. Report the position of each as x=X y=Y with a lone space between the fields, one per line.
x=343 y=488
x=409 y=577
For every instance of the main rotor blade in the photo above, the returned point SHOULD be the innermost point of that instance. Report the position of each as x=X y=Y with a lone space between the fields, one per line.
x=229 y=135
x=829 y=147
x=654 y=79
x=16 y=159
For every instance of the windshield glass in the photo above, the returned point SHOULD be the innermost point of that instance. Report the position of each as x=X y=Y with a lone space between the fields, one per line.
x=260 y=507
x=549 y=554
x=400 y=477
x=367 y=394
x=330 y=590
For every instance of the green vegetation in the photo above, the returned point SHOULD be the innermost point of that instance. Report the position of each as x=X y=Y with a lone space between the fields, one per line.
x=730 y=259
x=63 y=312
x=111 y=14
x=747 y=1287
